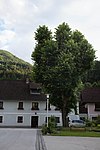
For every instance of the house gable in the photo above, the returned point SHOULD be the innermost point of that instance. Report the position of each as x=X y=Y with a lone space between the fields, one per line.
x=90 y=99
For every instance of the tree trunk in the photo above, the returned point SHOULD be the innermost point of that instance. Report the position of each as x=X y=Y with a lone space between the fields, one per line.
x=64 y=120
x=64 y=112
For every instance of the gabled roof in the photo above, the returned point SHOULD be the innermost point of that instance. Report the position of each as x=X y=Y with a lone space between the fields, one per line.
x=90 y=95
x=19 y=90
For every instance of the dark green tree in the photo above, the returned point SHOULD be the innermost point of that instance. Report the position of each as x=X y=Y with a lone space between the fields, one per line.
x=93 y=75
x=60 y=62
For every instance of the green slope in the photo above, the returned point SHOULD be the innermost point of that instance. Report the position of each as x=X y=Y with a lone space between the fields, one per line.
x=11 y=67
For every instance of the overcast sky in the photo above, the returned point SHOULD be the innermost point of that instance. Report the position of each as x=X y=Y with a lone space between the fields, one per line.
x=19 y=19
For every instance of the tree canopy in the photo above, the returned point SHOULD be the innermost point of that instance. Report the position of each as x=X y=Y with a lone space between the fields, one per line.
x=93 y=75
x=60 y=62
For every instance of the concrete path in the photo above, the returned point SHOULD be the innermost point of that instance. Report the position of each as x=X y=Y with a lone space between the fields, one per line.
x=17 y=139
x=71 y=143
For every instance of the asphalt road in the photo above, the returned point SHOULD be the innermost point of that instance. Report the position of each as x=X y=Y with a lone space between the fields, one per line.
x=17 y=139
x=71 y=143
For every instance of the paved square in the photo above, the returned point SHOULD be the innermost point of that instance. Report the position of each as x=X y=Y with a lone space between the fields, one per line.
x=17 y=139
x=71 y=143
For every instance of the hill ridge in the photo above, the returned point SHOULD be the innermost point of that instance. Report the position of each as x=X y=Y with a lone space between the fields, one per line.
x=12 y=67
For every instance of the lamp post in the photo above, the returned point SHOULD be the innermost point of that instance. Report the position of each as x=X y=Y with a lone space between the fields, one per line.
x=47 y=107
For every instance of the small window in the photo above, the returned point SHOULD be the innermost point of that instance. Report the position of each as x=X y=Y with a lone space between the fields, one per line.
x=1 y=119
x=97 y=106
x=57 y=119
x=94 y=118
x=1 y=105
x=35 y=91
x=35 y=106
x=20 y=105
x=20 y=119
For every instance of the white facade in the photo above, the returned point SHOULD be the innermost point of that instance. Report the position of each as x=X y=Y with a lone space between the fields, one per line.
x=92 y=112
x=27 y=117
x=22 y=104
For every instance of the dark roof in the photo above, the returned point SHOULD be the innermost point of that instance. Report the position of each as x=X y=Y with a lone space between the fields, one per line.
x=90 y=95
x=34 y=85
x=19 y=90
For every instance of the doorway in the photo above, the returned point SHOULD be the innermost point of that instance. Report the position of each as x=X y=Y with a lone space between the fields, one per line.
x=34 y=121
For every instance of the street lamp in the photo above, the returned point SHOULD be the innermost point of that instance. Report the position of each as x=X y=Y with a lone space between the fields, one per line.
x=47 y=107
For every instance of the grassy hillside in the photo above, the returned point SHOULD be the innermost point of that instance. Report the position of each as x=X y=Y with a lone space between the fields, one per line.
x=11 y=67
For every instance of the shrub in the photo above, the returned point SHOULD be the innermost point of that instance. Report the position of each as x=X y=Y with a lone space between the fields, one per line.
x=98 y=120
x=94 y=124
x=98 y=126
x=88 y=123
x=44 y=129
x=51 y=126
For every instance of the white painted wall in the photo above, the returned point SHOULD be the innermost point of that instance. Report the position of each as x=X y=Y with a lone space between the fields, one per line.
x=10 y=113
x=91 y=111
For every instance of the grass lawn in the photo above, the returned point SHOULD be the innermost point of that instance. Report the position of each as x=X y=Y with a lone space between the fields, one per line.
x=68 y=132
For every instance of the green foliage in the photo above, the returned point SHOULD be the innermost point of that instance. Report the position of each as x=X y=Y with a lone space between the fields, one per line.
x=51 y=126
x=98 y=120
x=44 y=129
x=89 y=123
x=93 y=123
x=60 y=64
x=98 y=126
x=11 y=67
x=79 y=133
x=93 y=75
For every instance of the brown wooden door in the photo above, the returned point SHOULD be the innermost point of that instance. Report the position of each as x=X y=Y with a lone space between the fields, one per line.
x=34 y=121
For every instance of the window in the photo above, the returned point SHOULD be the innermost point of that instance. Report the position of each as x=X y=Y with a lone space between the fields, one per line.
x=94 y=118
x=20 y=105
x=77 y=121
x=35 y=106
x=1 y=119
x=57 y=119
x=1 y=105
x=35 y=91
x=97 y=106
x=20 y=119
x=48 y=106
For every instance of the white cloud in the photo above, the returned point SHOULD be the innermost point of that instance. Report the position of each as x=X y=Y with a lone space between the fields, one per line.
x=6 y=37
x=20 y=18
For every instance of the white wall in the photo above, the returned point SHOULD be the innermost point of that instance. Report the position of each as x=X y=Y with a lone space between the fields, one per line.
x=10 y=113
x=91 y=111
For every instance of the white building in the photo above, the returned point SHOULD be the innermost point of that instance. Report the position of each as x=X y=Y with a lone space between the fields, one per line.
x=23 y=105
x=90 y=103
